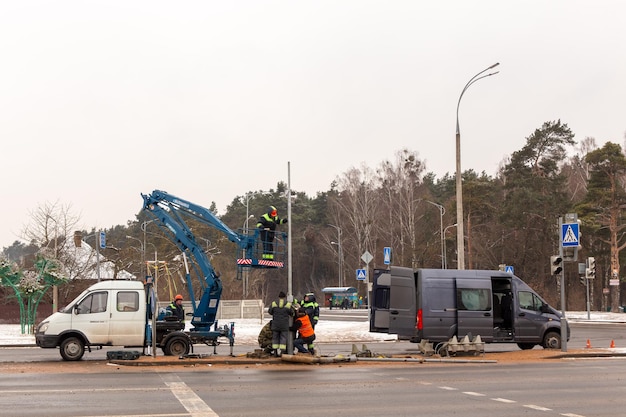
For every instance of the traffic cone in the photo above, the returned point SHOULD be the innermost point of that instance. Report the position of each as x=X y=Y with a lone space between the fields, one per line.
x=588 y=344
x=612 y=344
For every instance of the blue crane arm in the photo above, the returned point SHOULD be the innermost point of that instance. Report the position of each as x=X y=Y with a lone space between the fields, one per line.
x=171 y=212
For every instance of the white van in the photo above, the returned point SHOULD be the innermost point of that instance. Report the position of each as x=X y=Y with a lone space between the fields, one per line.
x=436 y=304
x=109 y=313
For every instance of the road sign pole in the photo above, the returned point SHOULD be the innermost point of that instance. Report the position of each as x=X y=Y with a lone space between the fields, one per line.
x=562 y=278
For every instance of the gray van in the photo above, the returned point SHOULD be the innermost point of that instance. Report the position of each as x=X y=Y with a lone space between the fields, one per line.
x=436 y=304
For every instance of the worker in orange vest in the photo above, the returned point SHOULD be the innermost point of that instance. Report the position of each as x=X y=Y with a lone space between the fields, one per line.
x=306 y=334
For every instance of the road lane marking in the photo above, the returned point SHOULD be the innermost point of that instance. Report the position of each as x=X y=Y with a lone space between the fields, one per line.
x=187 y=398
x=475 y=394
x=537 y=407
x=448 y=388
x=504 y=400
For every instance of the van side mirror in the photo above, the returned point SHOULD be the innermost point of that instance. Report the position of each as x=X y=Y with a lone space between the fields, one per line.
x=545 y=308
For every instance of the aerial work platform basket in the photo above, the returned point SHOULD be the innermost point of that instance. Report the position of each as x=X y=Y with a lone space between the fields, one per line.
x=260 y=255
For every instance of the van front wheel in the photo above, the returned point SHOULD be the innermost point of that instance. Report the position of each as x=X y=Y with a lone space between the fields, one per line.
x=72 y=349
x=526 y=346
x=552 y=340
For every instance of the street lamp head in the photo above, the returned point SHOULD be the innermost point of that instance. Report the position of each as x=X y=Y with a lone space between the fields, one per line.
x=494 y=65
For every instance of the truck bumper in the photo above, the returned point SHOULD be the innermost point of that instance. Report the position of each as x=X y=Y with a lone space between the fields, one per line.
x=47 y=340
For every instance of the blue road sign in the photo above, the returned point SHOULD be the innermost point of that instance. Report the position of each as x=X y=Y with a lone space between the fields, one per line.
x=387 y=255
x=508 y=269
x=361 y=274
x=569 y=235
x=102 y=240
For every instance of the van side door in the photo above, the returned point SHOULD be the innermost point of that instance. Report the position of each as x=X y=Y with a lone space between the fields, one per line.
x=474 y=309
x=127 y=318
x=91 y=317
x=529 y=320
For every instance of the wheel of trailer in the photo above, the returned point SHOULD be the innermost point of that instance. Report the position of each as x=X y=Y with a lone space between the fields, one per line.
x=526 y=346
x=552 y=340
x=177 y=346
x=72 y=349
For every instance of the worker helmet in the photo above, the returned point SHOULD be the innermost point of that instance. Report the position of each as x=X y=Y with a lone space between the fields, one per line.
x=272 y=211
x=178 y=297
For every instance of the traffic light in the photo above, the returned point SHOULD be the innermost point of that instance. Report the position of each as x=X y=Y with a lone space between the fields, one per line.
x=556 y=264
x=590 y=272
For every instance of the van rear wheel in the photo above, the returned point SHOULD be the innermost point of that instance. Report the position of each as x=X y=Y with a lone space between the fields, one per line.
x=552 y=340
x=526 y=346
x=177 y=346
x=72 y=349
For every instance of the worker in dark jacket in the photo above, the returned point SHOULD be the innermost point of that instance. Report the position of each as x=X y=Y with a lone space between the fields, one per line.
x=311 y=307
x=267 y=223
x=176 y=308
x=306 y=334
x=281 y=311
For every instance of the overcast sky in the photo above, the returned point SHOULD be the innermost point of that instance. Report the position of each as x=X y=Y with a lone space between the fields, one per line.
x=103 y=100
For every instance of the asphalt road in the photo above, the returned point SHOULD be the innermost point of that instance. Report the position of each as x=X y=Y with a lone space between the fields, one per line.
x=93 y=388
x=571 y=388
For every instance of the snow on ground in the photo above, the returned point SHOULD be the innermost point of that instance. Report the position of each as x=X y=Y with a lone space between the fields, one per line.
x=247 y=330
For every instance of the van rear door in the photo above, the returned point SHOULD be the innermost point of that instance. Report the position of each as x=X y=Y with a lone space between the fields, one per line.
x=402 y=302
x=474 y=309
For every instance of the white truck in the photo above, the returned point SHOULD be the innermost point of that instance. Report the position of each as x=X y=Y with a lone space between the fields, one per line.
x=109 y=313
x=117 y=313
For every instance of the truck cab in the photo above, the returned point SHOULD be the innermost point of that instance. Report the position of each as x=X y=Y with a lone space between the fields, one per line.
x=109 y=313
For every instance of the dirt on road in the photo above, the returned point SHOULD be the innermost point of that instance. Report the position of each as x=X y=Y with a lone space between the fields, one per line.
x=150 y=364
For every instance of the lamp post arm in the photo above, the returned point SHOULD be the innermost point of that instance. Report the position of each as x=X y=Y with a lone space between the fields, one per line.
x=469 y=83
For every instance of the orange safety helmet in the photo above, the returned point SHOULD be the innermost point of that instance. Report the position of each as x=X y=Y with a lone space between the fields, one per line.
x=178 y=297
x=272 y=211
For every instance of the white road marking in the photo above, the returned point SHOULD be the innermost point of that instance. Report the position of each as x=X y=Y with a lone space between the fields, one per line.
x=187 y=398
x=504 y=400
x=448 y=388
x=537 y=407
x=475 y=394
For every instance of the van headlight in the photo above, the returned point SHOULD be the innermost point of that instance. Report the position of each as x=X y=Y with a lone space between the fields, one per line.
x=42 y=327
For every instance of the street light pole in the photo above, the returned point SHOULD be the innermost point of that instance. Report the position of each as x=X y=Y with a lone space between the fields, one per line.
x=459 y=193
x=442 y=211
x=339 y=253
x=55 y=288
x=246 y=271
x=445 y=263
x=143 y=255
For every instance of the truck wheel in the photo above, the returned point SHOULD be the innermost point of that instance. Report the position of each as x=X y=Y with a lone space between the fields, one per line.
x=177 y=346
x=72 y=349
x=552 y=340
x=526 y=346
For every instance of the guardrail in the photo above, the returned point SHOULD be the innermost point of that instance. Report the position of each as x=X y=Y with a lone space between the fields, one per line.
x=232 y=309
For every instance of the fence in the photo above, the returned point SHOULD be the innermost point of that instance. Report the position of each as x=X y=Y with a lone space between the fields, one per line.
x=232 y=309
x=228 y=310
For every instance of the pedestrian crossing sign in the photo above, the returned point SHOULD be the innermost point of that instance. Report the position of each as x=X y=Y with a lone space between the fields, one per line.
x=361 y=274
x=569 y=235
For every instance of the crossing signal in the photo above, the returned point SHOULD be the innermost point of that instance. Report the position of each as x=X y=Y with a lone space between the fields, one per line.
x=590 y=272
x=556 y=264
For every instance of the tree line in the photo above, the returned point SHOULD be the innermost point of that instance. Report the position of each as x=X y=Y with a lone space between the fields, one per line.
x=509 y=218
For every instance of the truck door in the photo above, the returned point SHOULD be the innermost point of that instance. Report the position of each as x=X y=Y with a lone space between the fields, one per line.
x=91 y=316
x=402 y=302
x=128 y=318
x=474 y=309
x=529 y=320
x=379 y=303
